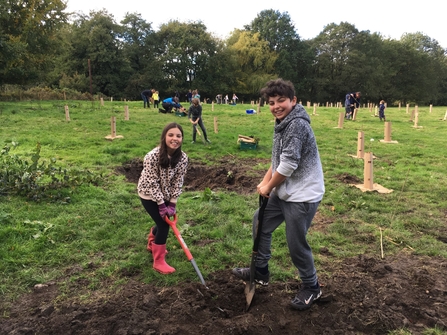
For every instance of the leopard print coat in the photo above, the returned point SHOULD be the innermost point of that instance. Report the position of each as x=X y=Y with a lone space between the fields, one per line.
x=158 y=184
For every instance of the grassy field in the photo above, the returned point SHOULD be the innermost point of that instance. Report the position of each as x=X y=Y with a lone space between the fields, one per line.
x=103 y=228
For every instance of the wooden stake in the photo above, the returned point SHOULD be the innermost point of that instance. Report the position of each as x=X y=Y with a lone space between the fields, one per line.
x=126 y=112
x=315 y=109
x=102 y=102
x=408 y=108
x=259 y=108
x=387 y=135
x=399 y=105
x=445 y=116
x=431 y=107
x=381 y=243
x=416 y=117
x=354 y=115
x=67 y=113
x=360 y=144
x=215 y=125
x=113 y=135
x=113 y=126
x=65 y=97
x=341 y=117
x=212 y=106
x=368 y=181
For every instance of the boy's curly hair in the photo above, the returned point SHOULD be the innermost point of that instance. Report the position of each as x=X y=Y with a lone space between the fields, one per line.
x=278 y=87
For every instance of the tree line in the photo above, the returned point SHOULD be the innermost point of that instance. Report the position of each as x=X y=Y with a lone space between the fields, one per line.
x=41 y=44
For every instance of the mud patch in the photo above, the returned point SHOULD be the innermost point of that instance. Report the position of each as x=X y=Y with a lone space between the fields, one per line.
x=230 y=175
x=363 y=295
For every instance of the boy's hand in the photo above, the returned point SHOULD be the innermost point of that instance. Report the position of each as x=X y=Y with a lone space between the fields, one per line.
x=264 y=190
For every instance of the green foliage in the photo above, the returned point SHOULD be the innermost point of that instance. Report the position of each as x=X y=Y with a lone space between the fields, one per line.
x=38 y=180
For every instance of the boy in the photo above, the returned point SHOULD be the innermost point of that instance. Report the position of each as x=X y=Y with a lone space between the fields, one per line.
x=382 y=110
x=169 y=104
x=294 y=185
x=352 y=102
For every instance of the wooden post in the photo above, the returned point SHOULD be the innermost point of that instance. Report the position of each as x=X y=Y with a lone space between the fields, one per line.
x=340 y=120
x=215 y=125
x=111 y=99
x=65 y=97
x=315 y=109
x=67 y=113
x=408 y=107
x=126 y=112
x=399 y=105
x=113 y=127
x=258 y=110
x=113 y=135
x=431 y=107
x=368 y=181
x=102 y=101
x=212 y=106
x=387 y=135
x=412 y=115
x=252 y=103
x=445 y=116
x=360 y=144
x=308 y=104
x=354 y=115
x=416 y=116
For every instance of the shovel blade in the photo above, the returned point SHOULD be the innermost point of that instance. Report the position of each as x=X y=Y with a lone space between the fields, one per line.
x=249 y=291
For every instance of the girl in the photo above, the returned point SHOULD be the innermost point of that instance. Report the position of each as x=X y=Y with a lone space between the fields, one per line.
x=195 y=117
x=156 y=98
x=159 y=188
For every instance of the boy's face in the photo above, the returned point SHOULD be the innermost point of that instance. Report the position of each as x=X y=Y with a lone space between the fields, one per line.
x=281 y=106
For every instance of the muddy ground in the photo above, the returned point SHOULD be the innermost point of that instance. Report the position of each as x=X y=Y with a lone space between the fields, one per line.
x=363 y=295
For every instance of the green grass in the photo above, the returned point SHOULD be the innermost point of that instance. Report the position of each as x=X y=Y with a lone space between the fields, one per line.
x=103 y=230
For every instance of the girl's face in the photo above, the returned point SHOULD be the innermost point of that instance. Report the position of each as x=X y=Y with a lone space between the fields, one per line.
x=173 y=140
x=281 y=106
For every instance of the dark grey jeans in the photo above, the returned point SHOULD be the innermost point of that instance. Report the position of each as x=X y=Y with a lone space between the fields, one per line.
x=298 y=218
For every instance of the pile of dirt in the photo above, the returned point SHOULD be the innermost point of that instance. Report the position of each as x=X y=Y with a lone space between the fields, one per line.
x=225 y=175
x=364 y=295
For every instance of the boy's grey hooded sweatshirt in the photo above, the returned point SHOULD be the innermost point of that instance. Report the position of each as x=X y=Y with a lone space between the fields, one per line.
x=295 y=155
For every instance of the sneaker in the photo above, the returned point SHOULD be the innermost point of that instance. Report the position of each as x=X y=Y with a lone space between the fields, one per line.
x=193 y=142
x=208 y=140
x=244 y=274
x=305 y=297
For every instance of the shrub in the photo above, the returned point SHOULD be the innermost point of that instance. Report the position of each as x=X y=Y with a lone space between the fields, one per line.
x=37 y=179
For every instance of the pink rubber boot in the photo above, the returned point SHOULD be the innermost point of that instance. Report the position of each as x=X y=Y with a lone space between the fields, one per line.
x=160 y=265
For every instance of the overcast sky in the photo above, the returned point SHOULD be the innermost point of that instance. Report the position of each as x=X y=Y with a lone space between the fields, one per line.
x=391 y=18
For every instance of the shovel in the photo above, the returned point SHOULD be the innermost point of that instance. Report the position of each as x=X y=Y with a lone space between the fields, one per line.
x=173 y=225
x=251 y=286
x=200 y=135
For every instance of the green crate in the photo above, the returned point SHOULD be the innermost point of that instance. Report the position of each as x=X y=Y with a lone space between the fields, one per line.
x=178 y=113
x=248 y=146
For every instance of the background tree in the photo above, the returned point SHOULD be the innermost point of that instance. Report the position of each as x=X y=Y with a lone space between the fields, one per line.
x=294 y=58
x=255 y=61
x=139 y=46
x=97 y=37
x=184 y=52
x=27 y=39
